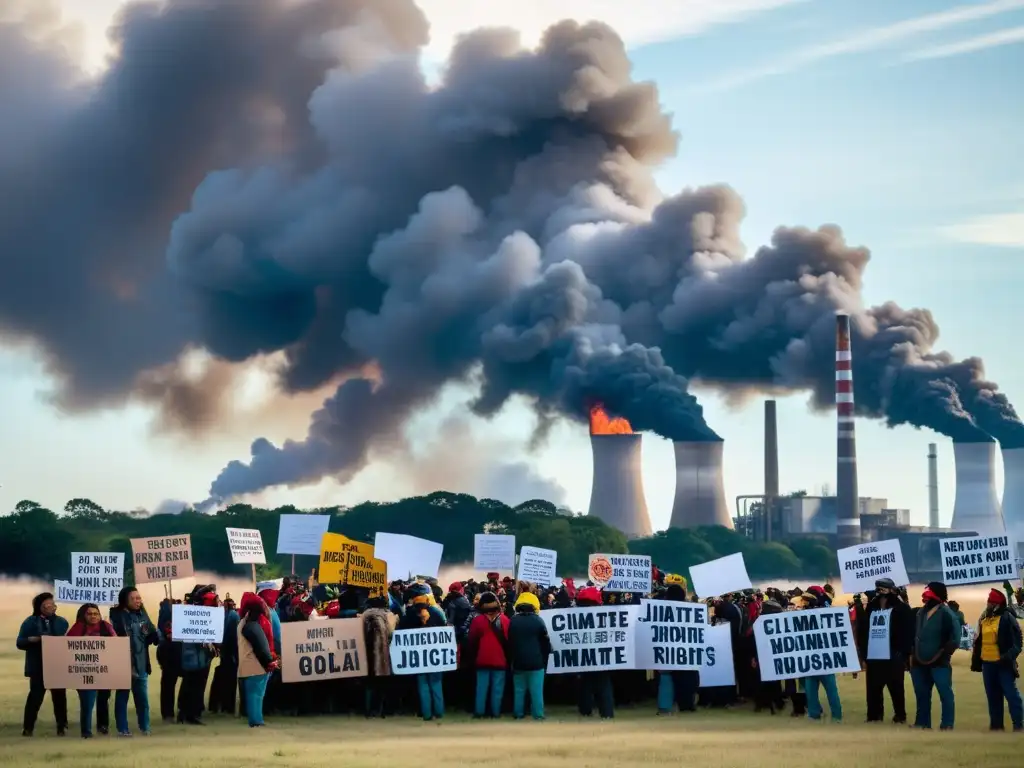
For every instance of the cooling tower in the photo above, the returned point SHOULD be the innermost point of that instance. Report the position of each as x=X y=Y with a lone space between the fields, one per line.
x=847 y=498
x=975 y=506
x=933 y=486
x=1013 y=494
x=617 y=494
x=700 y=492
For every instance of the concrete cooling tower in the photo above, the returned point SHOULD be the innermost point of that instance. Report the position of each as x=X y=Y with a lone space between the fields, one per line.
x=975 y=506
x=700 y=490
x=1013 y=494
x=617 y=494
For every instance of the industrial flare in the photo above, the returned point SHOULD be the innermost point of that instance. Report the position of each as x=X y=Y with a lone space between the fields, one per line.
x=601 y=423
x=617 y=493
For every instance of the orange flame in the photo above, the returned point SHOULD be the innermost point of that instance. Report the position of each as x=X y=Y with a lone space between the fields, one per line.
x=603 y=424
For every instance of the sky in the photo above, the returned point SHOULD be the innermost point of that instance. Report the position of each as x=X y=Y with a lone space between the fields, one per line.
x=898 y=121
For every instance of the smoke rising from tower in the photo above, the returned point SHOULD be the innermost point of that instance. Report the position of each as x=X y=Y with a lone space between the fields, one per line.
x=976 y=506
x=617 y=492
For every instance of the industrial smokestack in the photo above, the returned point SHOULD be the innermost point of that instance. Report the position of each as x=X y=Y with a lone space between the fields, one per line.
x=933 y=486
x=771 y=465
x=847 y=501
x=975 y=507
x=617 y=493
x=1013 y=494
x=700 y=490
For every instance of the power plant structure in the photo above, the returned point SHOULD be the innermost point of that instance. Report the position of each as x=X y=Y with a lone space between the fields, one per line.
x=617 y=492
x=933 y=486
x=771 y=466
x=976 y=506
x=700 y=488
x=1013 y=495
x=847 y=503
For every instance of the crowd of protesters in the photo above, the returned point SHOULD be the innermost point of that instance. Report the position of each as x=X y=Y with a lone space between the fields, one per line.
x=502 y=638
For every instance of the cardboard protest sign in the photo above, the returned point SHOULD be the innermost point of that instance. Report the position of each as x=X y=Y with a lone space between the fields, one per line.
x=162 y=558
x=538 y=565
x=66 y=592
x=301 y=534
x=591 y=639
x=368 y=573
x=805 y=643
x=98 y=570
x=863 y=564
x=718 y=669
x=246 y=546
x=344 y=561
x=87 y=663
x=428 y=649
x=494 y=552
x=672 y=636
x=322 y=650
x=408 y=555
x=197 y=623
x=621 y=573
x=977 y=560
x=720 y=577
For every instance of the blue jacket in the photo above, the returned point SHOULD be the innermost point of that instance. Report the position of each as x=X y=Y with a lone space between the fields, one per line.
x=195 y=657
x=229 y=648
x=37 y=626
x=141 y=631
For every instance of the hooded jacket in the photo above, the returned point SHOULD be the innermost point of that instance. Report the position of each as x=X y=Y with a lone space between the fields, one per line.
x=457 y=608
x=37 y=626
x=528 y=642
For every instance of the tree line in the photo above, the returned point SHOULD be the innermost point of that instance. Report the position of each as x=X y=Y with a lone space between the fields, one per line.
x=36 y=541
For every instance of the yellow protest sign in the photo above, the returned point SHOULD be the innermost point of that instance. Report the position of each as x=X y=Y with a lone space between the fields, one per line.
x=344 y=561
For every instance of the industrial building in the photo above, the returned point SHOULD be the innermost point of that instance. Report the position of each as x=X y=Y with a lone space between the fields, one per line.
x=617 y=491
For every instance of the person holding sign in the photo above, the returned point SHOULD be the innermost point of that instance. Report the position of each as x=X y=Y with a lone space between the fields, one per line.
x=257 y=658
x=90 y=623
x=936 y=638
x=594 y=685
x=529 y=647
x=129 y=619
x=43 y=621
x=488 y=645
x=995 y=656
x=885 y=637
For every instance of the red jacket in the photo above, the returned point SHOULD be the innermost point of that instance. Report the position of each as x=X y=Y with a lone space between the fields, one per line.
x=490 y=651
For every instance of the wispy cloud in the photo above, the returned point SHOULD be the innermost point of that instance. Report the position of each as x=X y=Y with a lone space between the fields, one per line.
x=1000 y=229
x=868 y=40
x=970 y=45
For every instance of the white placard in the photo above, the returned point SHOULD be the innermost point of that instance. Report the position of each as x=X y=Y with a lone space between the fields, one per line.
x=977 y=560
x=301 y=534
x=796 y=644
x=408 y=556
x=863 y=564
x=879 y=627
x=246 y=545
x=720 y=577
x=591 y=639
x=719 y=670
x=629 y=573
x=197 y=623
x=494 y=552
x=98 y=570
x=428 y=649
x=538 y=565
x=672 y=636
x=966 y=637
x=269 y=584
x=66 y=592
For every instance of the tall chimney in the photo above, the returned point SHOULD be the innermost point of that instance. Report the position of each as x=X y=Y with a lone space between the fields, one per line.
x=771 y=465
x=700 y=489
x=617 y=493
x=1013 y=494
x=933 y=486
x=847 y=501
x=975 y=506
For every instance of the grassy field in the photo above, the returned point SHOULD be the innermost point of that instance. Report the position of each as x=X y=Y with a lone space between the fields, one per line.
x=733 y=738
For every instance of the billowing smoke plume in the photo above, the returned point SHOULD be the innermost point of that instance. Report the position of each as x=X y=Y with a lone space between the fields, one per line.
x=261 y=175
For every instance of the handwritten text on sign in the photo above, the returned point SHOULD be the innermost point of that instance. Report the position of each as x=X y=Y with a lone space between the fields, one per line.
x=87 y=663
x=673 y=636
x=805 y=643
x=162 y=558
x=66 y=592
x=863 y=564
x=246 y=546
x=976 y=559
x=98 y=570
x=414 y=651
x=197 y=623
x=621 y=573
x=590 y=639
x=322 y=650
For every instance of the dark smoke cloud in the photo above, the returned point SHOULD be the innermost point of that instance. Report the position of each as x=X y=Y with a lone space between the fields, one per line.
x=501 y=229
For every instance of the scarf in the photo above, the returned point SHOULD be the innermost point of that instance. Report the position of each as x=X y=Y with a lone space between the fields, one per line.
x=248 y=601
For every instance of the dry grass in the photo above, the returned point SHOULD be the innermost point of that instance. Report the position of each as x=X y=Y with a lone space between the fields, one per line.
x=737 y=738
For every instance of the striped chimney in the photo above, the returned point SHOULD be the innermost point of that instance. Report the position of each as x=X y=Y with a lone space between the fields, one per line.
x=847 y=501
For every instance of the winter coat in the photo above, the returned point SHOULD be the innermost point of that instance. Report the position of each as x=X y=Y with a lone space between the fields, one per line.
x=936 y=638
x=229 y=648
x=1008 y=639
x=37 y=626
x=377 y=631
x=457 y=608
x=141 y=632
x=528 y=642
x=195 y=657
x=487 y=647
x=411 y=620
x=254 y=655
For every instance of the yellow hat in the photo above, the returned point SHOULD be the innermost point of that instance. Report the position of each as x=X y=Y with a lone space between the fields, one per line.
x=675 y=578
x=528 y=598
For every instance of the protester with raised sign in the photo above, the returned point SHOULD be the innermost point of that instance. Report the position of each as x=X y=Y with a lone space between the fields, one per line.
x=89 y=623
x=129 y=619
x=488 y=644
x=885 y=637
x=995 y=655
x=816 y=597
x=43 y=621
x=224 y=689
x=378 y=627
x=168 y=657
x=594 y=685
x=428 y=684
x=257 y=655
x=936 y=638
x=528 y=650
x=677 y=688
x=196 y=660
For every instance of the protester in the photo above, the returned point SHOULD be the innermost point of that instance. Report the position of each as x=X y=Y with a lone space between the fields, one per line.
x=528 y=650
x=428 y=684
x=885 y=659
x=129 y=619
x=89 y=623
x=223 y=690
x=593 y=686
x=43 y=622
x=816 y=597
x=488 y=644
x=677 y=688
x=996 y=649
x=256 y=654
x=168 y=656
x=378 y=627
x=936 y=638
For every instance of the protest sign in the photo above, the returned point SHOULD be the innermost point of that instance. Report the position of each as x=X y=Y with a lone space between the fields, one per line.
x=368 y=573
x=494 y=552
x=87 y=663
x=805 y=643
x=591 y=639
x=322 y=650
x=428 y=649
x=879 y=648
x=621 y=573
x=977 y=560
x=672 y=636
x=860 y=566
x=246 y=546
x=718 y=669
x=66 y=592
x=197 y=623
x=538 y=565
x=344 y=561
x=98 y=570
x=408 y=556
x=301 y=534
x=162 y=558
x=720 y=577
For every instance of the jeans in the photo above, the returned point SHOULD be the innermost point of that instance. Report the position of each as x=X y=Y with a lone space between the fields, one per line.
x=190 y=696
x=596 y=685
x=940 y=678
x=828 y=682
x=677 y=687
x=34 y=700
x=93 y=700
x=1000 y=683
x=492 y=681
x=431 y=695
x=532 y=682
x=879 y=676
x=140 y=695
x=255 y=689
